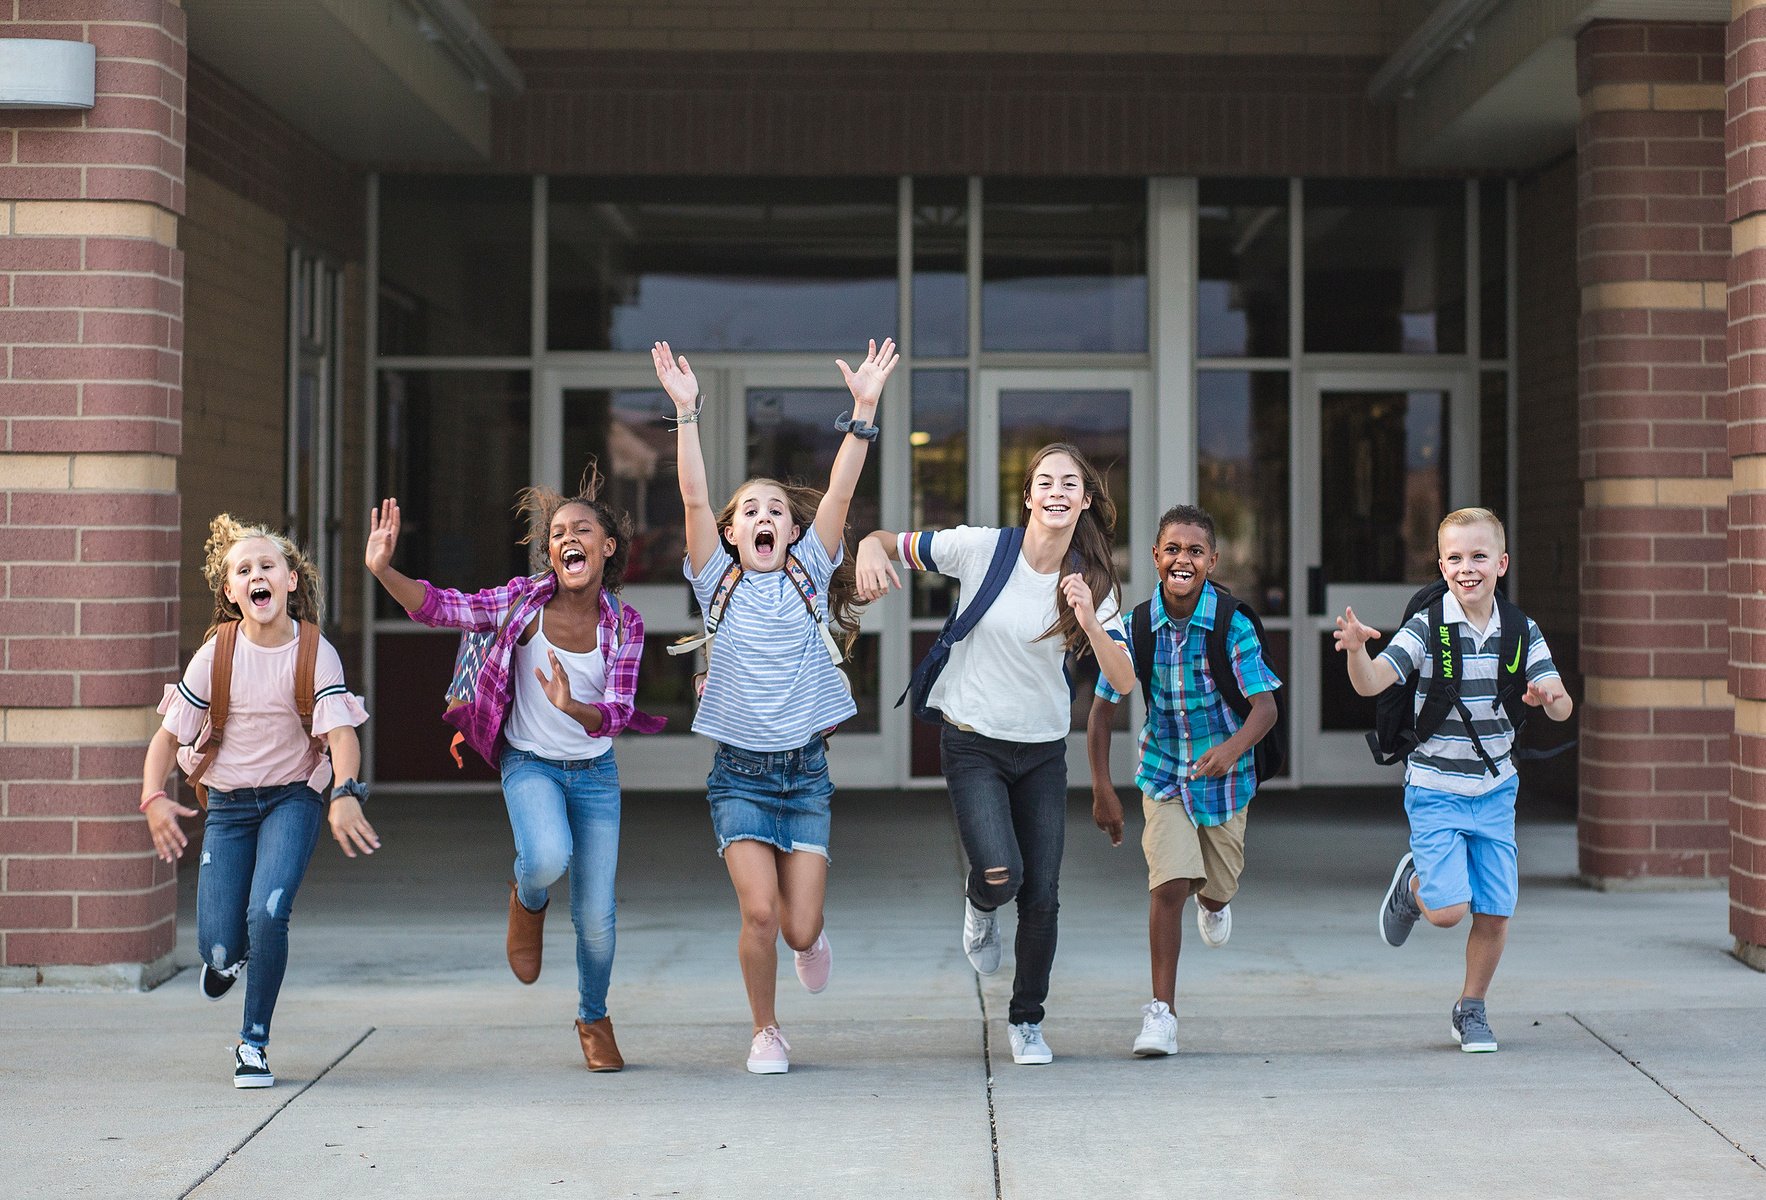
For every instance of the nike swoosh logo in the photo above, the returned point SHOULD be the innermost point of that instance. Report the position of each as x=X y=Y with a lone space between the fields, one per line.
x=1514 y=668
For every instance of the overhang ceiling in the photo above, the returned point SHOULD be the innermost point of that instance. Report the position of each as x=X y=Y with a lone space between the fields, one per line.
x=377 y=82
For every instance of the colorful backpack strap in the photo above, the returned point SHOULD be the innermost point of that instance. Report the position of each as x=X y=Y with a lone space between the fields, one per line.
x=720 y=603
x=714 y=612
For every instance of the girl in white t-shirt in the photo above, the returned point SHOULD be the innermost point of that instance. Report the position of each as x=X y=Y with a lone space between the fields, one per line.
x=1006 y=703
x=772 y=688
x=268 y=775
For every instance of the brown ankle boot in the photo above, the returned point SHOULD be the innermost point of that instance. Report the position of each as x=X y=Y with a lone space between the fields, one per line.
x=600 y=1051
x=526 y=937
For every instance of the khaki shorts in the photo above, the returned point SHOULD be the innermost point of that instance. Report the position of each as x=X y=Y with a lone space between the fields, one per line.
x=1211 y=857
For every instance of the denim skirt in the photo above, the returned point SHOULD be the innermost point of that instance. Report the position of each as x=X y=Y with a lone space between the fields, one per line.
x=780 y=797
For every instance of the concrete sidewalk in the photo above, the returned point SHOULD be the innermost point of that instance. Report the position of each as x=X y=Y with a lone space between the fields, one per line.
x=1315 y=1060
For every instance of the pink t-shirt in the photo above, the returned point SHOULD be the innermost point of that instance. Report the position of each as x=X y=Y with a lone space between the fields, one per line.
x=265 y=745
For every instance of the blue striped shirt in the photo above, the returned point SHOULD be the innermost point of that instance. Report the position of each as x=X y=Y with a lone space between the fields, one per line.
x=770 y=685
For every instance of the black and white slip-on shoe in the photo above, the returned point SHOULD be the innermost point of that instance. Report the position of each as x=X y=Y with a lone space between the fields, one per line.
x=250 y=1068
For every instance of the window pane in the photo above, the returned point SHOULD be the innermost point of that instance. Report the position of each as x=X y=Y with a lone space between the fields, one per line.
x=1242 y=480
x=941 y=268
x=1385 y=267
x=456 y=262
x=720 y=264
x=628 y=432
x=1384 y=484
x=939 y=457
x=453 y=449
x=1064 y=265
x=791 y=437
x=1493 y=267
x=1095 y=420
x=1242 y=269
x=1493 y=443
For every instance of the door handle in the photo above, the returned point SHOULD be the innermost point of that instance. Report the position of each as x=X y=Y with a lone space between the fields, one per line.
x=1315 y=591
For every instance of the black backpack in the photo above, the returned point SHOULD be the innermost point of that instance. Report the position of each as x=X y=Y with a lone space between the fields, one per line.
x=1270 y=755
x=956 y=628
x=1399 y=728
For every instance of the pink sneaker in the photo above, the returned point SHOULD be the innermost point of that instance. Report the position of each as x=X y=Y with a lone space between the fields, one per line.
x=816 y=964
x=767 y=1055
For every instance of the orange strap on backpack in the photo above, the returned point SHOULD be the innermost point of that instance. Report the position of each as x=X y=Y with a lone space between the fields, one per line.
x=220 y=692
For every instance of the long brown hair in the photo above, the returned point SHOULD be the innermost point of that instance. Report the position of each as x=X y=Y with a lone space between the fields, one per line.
x=843 y=602
x=540 y=504
x=227 y=531
x=1094 y=545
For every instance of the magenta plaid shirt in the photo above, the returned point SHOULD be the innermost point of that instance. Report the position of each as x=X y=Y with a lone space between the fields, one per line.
x=519 y=600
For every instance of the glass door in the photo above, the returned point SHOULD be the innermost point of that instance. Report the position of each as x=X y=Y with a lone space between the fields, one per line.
x=1381 y=459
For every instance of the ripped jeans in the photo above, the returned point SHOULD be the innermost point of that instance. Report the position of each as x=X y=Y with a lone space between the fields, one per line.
x=256 y=844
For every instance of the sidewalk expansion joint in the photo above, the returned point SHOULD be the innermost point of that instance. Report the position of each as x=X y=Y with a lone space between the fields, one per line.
x=993 y=1129
x=274 y=1113
x=1638 y=1066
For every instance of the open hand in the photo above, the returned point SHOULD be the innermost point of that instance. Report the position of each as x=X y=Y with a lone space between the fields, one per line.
x=383 y=535
x=350 y=827
x=558 y=686
x=1544 y=692
x=162 y=825
x=866 y=383
x=676 y=377
x=1078 y=593
x=1351 y=634
x=875 y=573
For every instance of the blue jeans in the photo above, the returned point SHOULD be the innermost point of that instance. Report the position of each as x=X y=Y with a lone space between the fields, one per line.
x=565 y=815
x=256 y=845
x=1011 y=807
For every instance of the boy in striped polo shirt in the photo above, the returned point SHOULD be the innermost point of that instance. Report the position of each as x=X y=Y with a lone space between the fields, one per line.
x=1461 y=807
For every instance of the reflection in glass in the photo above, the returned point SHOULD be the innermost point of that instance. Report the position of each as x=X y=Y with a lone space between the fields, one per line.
x=1385 y=267
x=1094 y=419
x=941 y=268
x=777 y=264
x=1493 y=443
x=1064 y=265
x=454 y=450
x=939 y=454
x=1493 y=267
x=1383 y=472
x=1242 y=480
x=1242 y=269
x=456 y=262
x=628 y=432
x=791 y=437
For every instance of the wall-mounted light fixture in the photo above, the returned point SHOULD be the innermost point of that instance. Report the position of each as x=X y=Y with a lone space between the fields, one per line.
x=46 y=73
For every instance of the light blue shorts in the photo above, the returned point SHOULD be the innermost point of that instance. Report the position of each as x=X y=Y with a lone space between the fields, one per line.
x=1464 y=848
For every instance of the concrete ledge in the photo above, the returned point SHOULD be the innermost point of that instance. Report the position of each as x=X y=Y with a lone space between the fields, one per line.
x=1649 y=883
x=1750 y=955
x=104 y=977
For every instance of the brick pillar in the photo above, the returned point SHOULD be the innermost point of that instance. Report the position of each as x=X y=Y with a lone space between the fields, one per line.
x=1652 y=257
x=1746 y=140
x=91 y=329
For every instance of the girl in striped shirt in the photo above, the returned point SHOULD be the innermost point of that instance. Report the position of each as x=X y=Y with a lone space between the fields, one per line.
x=771 y=574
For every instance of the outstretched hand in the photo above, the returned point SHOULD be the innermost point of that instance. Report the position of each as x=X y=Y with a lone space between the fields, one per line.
x=876 y=574
x=1351 y=634
x=383 y=535
x=676 y=377
x=162 y=826
x=558 y=686
x=350 y=827
x=866 y=383
x=1544 y=692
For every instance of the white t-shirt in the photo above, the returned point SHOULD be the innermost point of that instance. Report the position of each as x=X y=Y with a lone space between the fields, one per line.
x=771 y=685
x=1001 y=680
x=535 y=724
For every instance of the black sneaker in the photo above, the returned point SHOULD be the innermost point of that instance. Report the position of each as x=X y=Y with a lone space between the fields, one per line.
x=250 y=1068
x=215 y=982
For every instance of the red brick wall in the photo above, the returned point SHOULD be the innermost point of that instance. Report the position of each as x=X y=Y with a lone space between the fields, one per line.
x=706 y=112
x=91 y=315
x=1652 y=254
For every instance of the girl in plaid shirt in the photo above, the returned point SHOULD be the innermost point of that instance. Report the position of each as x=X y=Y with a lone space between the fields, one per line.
x=557 y=686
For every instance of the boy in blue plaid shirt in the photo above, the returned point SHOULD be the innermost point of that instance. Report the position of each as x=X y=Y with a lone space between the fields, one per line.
x=1197 y=771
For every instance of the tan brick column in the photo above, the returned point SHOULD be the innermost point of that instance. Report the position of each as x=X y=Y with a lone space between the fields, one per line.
x=1746 y=77
x=91 y=333
x=1652 y=253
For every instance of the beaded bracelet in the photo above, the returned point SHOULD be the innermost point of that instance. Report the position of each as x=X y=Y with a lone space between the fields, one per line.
x=864 y=430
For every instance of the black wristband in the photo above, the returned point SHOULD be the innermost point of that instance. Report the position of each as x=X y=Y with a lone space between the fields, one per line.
x=863 y=430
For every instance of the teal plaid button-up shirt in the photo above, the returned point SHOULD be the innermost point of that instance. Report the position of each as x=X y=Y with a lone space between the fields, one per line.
x=1187 y=716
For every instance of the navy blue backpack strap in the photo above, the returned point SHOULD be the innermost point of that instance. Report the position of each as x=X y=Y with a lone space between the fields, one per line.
x=962 y=623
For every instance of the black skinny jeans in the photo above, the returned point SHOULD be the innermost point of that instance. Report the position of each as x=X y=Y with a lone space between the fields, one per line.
x=1010 y=800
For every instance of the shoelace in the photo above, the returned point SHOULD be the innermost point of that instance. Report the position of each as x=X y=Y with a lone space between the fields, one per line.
x=251 y=1056
x=1032 y=1035
x=769 y=1037
x=987 y=929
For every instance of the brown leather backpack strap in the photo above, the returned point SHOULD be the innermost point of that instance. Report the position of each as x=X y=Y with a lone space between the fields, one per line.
x=220 y=693
x=306 y=663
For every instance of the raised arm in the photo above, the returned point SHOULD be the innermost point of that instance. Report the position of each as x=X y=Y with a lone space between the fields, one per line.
x=383 y=538
x=678 y=381
x=866 y=385
x=1368 y=676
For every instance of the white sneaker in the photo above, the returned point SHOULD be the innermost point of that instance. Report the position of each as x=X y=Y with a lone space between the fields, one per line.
x=981 y=939
x=1028 y=1048
x=1158 y=1031
x=1216 y=927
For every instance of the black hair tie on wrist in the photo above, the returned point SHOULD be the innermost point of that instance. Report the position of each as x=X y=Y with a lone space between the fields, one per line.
x=863 y=430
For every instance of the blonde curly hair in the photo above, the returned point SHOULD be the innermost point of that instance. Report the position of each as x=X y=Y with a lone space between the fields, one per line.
x=227 y=531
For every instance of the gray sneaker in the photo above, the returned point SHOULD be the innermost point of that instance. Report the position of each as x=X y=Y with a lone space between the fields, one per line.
x=1399 y=911
x=981 y=939
x=1470 y=1029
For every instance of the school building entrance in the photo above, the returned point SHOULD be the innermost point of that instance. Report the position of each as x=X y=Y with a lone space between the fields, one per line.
x=1328 y=273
